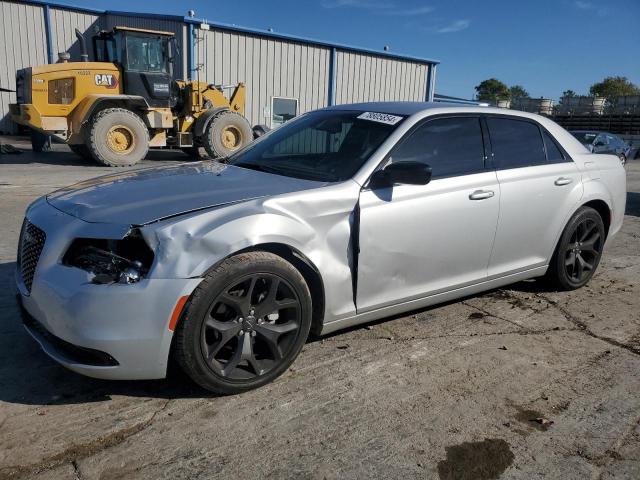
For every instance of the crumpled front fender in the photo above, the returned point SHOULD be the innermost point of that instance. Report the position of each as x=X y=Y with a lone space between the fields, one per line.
x=317 y=223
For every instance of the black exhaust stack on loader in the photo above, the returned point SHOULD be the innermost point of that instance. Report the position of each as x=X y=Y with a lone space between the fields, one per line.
x=84 y=56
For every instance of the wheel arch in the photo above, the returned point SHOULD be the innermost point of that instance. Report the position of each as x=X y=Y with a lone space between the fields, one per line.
x=93 y=104
x=603 y=210
x=306 y=268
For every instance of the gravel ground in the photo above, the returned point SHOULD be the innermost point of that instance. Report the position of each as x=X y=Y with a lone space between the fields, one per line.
x=519 y=382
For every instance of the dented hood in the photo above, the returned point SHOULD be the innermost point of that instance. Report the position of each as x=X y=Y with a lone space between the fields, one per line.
x=138 y=197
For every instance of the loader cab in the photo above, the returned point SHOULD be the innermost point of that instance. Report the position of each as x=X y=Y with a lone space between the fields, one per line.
x=145 y=59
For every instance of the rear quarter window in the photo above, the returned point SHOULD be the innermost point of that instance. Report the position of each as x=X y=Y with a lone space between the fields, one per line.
x=554 y=154
x=515 y=143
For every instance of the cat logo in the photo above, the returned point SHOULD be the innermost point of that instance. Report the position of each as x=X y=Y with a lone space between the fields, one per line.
x=106 y=80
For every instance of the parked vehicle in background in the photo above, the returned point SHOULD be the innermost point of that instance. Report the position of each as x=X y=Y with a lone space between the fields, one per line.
x=603 y=142
x=338 y=217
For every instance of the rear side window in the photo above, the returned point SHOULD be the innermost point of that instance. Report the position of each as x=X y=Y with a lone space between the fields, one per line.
x=451 y=146
x=554 y=155
x=515 y=143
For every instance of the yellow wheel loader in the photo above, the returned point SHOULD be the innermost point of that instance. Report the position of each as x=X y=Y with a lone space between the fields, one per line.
x=114 y=109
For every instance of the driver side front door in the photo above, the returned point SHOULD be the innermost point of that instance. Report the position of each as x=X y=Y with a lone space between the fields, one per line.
x=419 y=240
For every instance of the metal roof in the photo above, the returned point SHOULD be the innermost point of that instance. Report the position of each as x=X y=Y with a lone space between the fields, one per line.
x=241 y=29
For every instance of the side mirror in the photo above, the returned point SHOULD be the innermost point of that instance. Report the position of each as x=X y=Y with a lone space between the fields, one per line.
x=598 y=143
x=407 y=173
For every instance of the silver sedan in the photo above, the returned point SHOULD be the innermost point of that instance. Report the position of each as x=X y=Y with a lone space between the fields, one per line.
x=341 y=216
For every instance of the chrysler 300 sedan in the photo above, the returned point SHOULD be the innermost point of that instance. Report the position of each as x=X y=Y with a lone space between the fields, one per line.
x=341 y=216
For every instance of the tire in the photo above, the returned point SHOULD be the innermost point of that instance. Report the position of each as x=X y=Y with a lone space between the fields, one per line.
x=249 y=346
x=259 y=130
x=579 y=246
x=623 y=159
x=81 y=150
x=226 y=133
x=196 y=153
x=40 y=142
x=118 y=138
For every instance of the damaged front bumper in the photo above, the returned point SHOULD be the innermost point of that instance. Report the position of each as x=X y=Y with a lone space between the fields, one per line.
x=113 y=331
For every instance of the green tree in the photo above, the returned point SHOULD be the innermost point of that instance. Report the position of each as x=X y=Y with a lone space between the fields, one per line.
x=569 y=94
x=614 y=87
x=491 y=90
x=518 y=91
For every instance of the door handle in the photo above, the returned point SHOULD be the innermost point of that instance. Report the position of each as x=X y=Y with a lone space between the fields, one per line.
x=481 y=194
x=563 y=181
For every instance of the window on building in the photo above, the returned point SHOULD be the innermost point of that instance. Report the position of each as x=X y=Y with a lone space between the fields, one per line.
x=515 y=143
x=450 y=146
x=283 y=109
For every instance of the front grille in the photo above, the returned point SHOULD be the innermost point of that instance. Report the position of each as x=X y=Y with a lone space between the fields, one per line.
x=29 y=249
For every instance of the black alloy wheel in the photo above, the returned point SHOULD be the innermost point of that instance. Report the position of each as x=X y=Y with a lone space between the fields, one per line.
x=583 y=250
x=251 y=327
x=245 y=323
x=578 y=251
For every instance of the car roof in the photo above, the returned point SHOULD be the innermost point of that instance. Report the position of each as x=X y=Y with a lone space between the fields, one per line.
x=413 y=108
x=397 y=108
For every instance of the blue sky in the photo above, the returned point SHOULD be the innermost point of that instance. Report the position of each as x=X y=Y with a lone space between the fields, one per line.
x=545 y=45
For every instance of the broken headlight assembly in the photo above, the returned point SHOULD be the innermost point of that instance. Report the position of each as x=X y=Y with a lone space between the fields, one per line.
x=111 y=261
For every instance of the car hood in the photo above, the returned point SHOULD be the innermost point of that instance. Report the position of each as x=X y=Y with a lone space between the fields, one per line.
x=138 y=197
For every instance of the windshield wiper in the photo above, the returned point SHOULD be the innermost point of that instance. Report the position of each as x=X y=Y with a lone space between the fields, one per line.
x=259 y=168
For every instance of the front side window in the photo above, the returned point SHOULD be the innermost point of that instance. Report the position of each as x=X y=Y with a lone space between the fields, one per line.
x=515 y=143
x=450 y=146
x=147 y=53
x=325 y=145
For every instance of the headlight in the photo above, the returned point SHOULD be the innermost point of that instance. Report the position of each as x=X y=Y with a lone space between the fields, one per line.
x=61 y=91
x=111 y=261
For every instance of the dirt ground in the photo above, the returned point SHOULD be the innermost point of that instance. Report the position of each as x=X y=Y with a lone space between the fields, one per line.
x=519 y=382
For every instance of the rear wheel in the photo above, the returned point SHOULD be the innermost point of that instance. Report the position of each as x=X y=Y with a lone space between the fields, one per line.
x=40 y=142
x=245 y=324
x=196 y=153
x=623 y=159
x=81 y=150
x=579 y=250
x=118 y=138
x=226 y=133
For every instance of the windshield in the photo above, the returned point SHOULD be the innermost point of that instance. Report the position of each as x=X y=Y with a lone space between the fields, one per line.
x=326 y=145
x=147 y=53
x=585 y=138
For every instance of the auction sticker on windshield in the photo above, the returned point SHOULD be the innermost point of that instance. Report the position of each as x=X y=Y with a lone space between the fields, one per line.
x=380 y=117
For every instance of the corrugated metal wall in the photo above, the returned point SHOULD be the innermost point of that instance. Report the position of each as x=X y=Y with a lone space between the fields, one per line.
x=178 y=28
x=364 y=78
x=269 y=68
x=23 y=44
x=63 y=24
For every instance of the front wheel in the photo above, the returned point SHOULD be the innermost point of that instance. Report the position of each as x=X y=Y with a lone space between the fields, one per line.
x=245 y=323
x=579 y=250
x=118 y=138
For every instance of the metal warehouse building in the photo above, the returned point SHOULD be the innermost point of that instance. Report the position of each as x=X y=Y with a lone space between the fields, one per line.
x=285 y=75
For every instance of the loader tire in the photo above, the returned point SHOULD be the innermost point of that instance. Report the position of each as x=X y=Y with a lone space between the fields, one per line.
x=81 y=150
x=40 y=142
x=226 y=133
x=118 y=138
